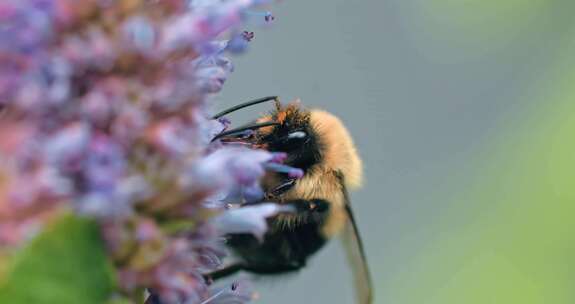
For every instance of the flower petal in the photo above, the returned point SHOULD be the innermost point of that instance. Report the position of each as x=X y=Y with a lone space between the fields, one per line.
x=249 y=219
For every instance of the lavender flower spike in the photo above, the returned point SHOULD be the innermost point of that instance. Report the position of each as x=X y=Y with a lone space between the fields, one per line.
x=104 y=114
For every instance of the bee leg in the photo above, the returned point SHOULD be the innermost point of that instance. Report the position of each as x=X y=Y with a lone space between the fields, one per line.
x=222 y=273
x=282 y=188
x=272 y=269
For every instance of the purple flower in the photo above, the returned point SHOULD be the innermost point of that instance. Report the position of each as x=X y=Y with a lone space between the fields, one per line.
x=251 y=219
x=269 y=17
x=211 y=79
x=238 y=43
x=27 y=25
x=220 y=171
x=67 y=144
x=244 y=194
x=212 y=71
x=140 y=33
x=104 y=113
x=248 y=36
x=172 y=137
x=104 y=163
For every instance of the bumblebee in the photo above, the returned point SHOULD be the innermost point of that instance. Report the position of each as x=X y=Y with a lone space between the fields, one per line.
x=318 y=143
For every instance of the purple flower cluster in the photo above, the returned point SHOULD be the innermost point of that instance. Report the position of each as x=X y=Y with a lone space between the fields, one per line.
x=103 y=112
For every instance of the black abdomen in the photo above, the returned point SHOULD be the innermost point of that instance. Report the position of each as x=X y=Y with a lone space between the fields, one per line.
x=286 y=249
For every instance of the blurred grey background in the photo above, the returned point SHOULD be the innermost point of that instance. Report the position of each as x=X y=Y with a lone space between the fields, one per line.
x=418 y=92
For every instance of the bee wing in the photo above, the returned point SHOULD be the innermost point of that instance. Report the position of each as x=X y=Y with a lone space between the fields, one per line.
x=356 y=257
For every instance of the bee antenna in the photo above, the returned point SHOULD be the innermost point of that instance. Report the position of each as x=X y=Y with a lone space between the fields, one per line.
x=245 y=104
x=245 y=128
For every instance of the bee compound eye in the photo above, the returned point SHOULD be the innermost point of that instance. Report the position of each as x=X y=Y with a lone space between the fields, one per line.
x=320 y=206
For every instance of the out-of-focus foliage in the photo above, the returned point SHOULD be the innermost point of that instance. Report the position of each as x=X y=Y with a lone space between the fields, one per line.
x=66 y=264
x=507 y=236
x=465 y=29
x=516 y=242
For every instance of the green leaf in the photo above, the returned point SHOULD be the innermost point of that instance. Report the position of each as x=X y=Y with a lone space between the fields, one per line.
x=65 y=264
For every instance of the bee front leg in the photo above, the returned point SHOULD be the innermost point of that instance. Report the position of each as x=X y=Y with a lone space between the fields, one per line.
x=281 y=188
x=222 y=273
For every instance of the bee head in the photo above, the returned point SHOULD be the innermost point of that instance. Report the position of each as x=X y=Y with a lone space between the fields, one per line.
x=293 y=135
x=308 y=137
